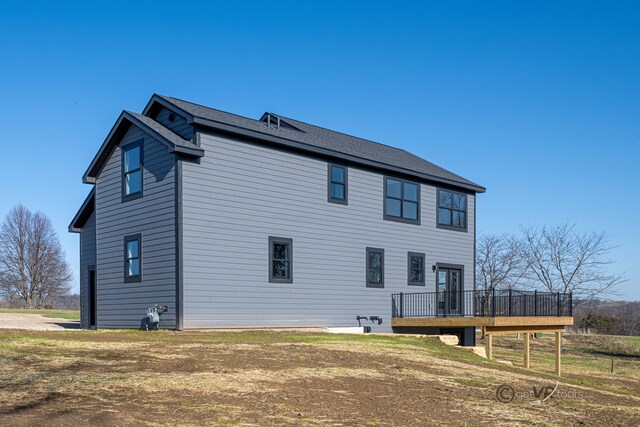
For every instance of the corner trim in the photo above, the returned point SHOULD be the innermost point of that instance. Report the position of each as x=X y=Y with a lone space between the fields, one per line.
x=179 y=247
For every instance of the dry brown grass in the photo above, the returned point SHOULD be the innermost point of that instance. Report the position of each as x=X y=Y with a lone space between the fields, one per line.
x=270 y=378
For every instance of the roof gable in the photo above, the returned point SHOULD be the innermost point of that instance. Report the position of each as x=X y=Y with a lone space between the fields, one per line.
x=173 y=142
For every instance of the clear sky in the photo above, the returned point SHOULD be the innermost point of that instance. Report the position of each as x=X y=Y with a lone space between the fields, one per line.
x=539 y=102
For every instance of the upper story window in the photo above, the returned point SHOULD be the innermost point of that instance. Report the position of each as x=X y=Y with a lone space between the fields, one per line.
x=452 y=210
x=415 y=269
x=401 y=200
x=133 y=258
x=280 y=260
x=375 y=268
x=132 y=171
x=337 y=184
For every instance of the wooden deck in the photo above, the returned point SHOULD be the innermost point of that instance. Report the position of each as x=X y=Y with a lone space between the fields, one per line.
x=496 y=325
x=499 y=326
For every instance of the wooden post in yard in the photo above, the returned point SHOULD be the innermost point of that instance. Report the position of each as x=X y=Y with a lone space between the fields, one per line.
x=558 y=352
x=489 y=346
x=526 y=350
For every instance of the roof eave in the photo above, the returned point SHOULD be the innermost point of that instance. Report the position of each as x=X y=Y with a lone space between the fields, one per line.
x=331 y=153
x=75 y=226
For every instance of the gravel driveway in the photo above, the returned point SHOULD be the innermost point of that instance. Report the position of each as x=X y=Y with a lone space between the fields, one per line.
x=36 y=322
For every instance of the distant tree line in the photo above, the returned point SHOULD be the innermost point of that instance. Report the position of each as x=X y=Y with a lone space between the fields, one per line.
x=34 y=271
x=552 y=259
x=608 y=317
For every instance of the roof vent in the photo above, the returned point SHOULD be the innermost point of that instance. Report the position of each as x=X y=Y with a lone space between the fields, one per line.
x=273 y=121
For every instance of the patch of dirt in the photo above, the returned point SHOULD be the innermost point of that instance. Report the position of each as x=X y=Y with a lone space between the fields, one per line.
x=267 y=378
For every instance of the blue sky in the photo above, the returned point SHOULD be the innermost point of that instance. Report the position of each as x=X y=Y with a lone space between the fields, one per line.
x=539 y=102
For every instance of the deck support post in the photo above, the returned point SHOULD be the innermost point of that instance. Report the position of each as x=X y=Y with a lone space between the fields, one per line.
x=558 y=352
x=489 y=344
x=526 y=349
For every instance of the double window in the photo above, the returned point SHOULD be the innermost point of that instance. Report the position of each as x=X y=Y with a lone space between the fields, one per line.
x=401 y=200
x=337 y=184
x=132 y=171
x=375 y=268
x=280 y=260
x=452 y=210
x=133 y=258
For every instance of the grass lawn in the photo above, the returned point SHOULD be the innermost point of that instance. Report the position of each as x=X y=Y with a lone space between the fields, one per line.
x=292 y=378
x=58 y=314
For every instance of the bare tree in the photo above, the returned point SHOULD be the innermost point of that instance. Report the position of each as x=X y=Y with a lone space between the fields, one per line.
x=33 y=268
x=500 y=263
x=564 y=260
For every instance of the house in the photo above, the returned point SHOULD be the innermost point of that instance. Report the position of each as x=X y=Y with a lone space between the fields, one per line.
x=270 y=222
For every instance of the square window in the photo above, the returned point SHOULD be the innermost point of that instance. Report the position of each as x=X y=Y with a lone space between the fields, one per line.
x=452 y=211
x=401 y=201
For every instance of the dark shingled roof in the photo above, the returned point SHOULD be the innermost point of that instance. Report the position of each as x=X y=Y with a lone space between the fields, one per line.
x=327 y=140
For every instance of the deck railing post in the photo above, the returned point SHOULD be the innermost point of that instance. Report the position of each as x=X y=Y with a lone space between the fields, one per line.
x=535 y=303
x=571 y=303
x=401 y=303
x=558 y=302
x=493 y=302
x=510 y=295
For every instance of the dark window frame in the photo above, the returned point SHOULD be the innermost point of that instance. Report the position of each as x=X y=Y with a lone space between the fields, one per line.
x=424 y=269
x=331 y=199
x=466 y=211
x=373 y=284
x=140 y=145
x=288 y=241
x=132 y=238
x=400 y=218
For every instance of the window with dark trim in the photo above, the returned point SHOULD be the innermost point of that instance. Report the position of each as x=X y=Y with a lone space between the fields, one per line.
x=132 y=171
x=401 y=200
x=337 y=184
x=415 y=269
x=452 y=210
x=133 y=258
x=280 y=260
x=375 y=268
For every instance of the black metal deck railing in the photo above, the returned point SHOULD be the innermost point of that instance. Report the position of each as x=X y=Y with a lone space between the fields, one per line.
x=481 y=304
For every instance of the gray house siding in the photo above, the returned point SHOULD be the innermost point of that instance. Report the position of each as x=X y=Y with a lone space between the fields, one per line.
x=87 y=259
x=241 y=193
x=178 y=125
x=120 y=304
